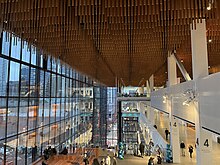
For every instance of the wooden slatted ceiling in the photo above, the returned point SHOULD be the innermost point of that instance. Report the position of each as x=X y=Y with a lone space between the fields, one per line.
x=127 y=39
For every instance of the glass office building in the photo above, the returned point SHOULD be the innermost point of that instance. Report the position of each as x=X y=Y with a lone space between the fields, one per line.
x=44 y=102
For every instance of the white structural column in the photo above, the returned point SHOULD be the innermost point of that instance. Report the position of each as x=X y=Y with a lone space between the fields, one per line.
x=148 y=88
x=151 y=110
x=174 y=126
x=200 y=69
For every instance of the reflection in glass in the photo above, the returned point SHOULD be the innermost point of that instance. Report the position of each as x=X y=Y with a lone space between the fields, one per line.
x=25 y=89
x=5 y=43
x=15 y=47
x=14 y=78
x=25 y=52
x=3 y=76
x=3 y=112
x=33 y=55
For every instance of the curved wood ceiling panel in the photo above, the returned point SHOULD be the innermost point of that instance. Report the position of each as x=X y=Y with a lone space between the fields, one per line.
x=127 y=39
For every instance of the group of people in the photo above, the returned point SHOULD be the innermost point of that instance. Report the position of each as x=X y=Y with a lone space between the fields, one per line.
x=105 y=161
x=182 y=146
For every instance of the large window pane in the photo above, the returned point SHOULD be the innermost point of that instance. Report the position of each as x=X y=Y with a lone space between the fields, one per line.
x=33 y=82
x=63 y=86
x=14 y=78
x=58 y=106
x=53 y=85
x=40 y=114
x=54 y=64
x=25 y=89
x=12 y=116
x=46 y=110
x=47 y=84
x=59 y=87
x=48 y=62
x=3 y=112
x=53 y=110
x=10 y=150
x=23 y=114
x=22 y=141
x=33 y=55
x=3 y=76
x=16 y=47
x=32 y=115
x=5 y=43
x=25 y=52
x=41 y=83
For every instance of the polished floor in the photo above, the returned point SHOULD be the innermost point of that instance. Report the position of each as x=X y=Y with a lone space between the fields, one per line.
x=187 y=134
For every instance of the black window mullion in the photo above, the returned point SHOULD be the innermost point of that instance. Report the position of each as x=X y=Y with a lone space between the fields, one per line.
x=6 y=125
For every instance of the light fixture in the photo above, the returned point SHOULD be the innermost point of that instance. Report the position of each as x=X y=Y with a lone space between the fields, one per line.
x=210 y=40
x=209 y=66
x=164 y=99
x=209 y=7
x=186 y=103
x=181 y=60
x=190 y=96
x=166 y=72
x=210 y=4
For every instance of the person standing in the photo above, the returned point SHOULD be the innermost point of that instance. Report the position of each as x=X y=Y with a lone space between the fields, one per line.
x=190 y=151
x=151 y=161
x=182 y=146
x=142 y=149
x=166 y=133
x=71 y=147
x=74 y=147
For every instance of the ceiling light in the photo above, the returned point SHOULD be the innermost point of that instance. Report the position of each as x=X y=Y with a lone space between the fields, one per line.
x=5 y=21
x=209 y=66
x=210 y=40
x=181 y=60
x=209 y=7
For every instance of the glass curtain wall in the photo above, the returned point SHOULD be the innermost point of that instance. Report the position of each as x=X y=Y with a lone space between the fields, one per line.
x=104 y=116
x=43 y=102
x=112 y=125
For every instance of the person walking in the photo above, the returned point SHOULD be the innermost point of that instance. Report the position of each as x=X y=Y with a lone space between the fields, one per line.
x=114 y=160
x=151 y=161
x=166 y=133
x=190 y=151
x=107 y=160
x=182 y=146
x=142 y=149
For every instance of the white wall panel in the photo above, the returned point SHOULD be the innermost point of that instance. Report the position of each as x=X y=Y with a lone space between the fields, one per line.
x=209 y=95
x=157 y=99
x=183 y=111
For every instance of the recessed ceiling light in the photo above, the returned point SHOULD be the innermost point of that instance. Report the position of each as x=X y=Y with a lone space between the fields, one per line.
x=210 y=40
x=181 y=60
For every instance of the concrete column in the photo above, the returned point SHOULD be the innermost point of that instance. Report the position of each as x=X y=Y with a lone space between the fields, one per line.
x=172 y=75
x=200 y=69
x=148 y=88
x=174 y=136
x=174 y=126
x=151 y=111
x=151 y=80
